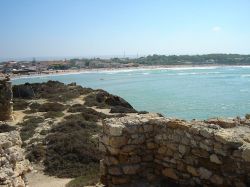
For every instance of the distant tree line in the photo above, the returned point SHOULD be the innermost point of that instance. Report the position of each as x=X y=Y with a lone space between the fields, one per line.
x=223 y=59
x=227 y=59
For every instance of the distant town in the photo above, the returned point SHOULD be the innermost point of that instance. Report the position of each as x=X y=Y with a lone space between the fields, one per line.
x=45 y=67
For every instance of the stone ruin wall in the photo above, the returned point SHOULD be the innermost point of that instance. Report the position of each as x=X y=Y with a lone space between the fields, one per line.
x=155 y=149
x=13 y=165
x=6 y=105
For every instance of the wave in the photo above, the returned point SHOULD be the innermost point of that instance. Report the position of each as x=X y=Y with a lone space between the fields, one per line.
x=199 y=73
x=246 y=75
x=135 y=69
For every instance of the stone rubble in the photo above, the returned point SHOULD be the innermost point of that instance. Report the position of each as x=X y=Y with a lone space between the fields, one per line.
x=147 y=147
x=13 y=164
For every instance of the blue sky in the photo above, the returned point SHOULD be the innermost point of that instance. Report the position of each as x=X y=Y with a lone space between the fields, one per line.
x=66 y=28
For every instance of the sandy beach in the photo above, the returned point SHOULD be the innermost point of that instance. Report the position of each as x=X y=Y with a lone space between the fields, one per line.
x=100 y=70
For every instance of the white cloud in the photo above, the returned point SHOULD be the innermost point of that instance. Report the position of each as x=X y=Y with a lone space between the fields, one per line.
x=216 y=29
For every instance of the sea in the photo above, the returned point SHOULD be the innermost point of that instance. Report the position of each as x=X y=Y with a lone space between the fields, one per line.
x=186 y=93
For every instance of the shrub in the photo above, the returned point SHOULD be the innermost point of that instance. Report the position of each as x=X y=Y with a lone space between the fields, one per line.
x=53 y=114
x=44 y=132
x=121 y=109
x=91 y=100
x=35 y=106
x=247 y=116
x=71 y=149
x=53 y=106
x=6 y=128
x=103 y=99
x=56 y=91
x=87 y=114
x=29 y=126
x=36 y=153
x=20 y=104
x=90 y=178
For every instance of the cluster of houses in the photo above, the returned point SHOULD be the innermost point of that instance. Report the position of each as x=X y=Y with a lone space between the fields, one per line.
x=33 y=67
x=23 y=67
x=13 y=67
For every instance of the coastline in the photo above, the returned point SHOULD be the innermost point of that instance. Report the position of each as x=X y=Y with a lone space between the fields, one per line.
x=139 y=68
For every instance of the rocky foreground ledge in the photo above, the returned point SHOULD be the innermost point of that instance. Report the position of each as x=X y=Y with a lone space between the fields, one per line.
x=13 y=164
x=148 y=150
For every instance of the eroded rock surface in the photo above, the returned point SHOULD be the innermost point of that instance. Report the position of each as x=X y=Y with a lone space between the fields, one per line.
x=13 y=164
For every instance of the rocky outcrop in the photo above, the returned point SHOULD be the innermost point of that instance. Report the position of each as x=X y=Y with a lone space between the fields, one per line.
x=154 y=149
x=13 y=164
x=6 y=105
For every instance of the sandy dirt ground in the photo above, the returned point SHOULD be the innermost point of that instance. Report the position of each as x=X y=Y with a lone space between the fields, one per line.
x=37 y=179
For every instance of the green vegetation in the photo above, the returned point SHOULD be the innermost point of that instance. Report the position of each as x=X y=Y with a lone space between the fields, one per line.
x=20 y=104
x=36 y=152
x=247 y=116
x=47 y=107
x=87 y=114
x=53 y=114
x=6 y=128
x=92 y=100
x=103 y=99
x=59 y=67
x=29 y=126
x=91 y=178
x=227 y=59
x=53 y=106
x=223 y=59
x=53 y=91
x=71 y=148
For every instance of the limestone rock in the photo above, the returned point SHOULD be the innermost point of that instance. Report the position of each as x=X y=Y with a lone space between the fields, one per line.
x=246 y=152
x=192 y=171
x=169 y=172
x=204 y=173
x=131 y=169
x=113 y=170
x=14 y=166
x=214 y=158
x=216 y=179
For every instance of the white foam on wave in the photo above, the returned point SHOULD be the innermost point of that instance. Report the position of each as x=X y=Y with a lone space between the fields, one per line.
x=136 y=69
x=194 y=68
x=198 y=73
x=246 y=75
x=244 y=90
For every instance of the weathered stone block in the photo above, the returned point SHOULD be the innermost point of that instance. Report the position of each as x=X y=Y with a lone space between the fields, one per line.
x=214 y=158
x=118 y=141
x=120 y=180
x=193 y=171
x=246 y=152
x=204 y=173
x=131 y=169
x=216 y=179
x=114 y=170
x=169 y=172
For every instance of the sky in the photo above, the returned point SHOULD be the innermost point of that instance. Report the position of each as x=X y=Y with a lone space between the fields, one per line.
x=89 y=28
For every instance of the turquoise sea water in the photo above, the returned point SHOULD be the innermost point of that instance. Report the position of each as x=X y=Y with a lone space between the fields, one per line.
x=178 y=92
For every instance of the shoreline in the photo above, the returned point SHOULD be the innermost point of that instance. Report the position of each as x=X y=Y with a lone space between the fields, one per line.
x=139 y=68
